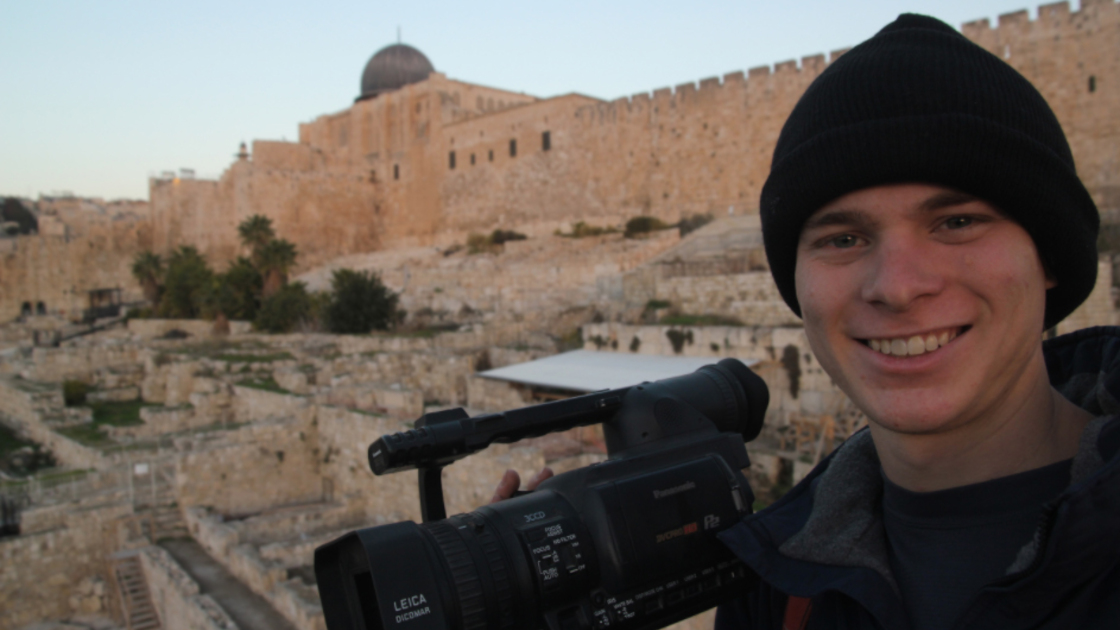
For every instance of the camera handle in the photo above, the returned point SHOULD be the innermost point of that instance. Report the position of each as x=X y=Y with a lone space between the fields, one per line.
x=431 y=493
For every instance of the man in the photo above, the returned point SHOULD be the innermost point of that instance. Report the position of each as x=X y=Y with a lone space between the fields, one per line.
x=924 y=217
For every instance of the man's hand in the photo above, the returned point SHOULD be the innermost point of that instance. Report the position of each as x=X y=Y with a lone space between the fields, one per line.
x=511 y=481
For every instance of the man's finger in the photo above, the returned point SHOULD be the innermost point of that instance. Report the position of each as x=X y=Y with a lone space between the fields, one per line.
x=545 y=473
x=509 y=484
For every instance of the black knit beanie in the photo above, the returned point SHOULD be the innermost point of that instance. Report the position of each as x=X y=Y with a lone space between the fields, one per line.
x=920 y=103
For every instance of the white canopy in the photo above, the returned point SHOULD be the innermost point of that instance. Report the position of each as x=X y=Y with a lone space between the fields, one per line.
x=591 y=371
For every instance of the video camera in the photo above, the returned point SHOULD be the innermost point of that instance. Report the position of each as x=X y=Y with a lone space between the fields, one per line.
x=626 y=543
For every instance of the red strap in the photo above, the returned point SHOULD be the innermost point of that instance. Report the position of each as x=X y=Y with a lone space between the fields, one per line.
x=797 y=613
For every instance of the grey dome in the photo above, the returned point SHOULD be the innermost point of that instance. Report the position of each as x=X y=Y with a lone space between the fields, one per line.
x=394 y=67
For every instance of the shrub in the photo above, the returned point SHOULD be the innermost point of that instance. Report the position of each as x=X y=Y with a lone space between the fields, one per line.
x=693 y=223
x=480 y=243
x=359 y=303
x=499 y=237
x=188 y=283
x=239 y=290
x=644 y=225
x=678 y=338
x=74 y=393
x=285 y=309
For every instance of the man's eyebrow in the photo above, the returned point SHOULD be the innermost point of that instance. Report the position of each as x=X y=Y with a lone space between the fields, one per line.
x=946 y=199
x=839 y=217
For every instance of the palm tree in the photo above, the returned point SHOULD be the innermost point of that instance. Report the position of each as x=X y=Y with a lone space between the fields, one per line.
x=277 y=257
x=147 y=268
x=256 y=232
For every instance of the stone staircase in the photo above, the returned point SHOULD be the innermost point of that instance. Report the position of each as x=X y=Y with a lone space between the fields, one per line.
x=135 y=599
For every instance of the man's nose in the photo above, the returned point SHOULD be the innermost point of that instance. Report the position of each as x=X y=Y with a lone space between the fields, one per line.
x=901 y=272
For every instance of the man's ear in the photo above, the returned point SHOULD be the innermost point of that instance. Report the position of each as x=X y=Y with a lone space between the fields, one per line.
x=1051 y=279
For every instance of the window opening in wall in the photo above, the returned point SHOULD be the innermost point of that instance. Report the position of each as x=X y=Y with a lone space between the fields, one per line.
x=546 y=141
x=513 y=148
x=1092 y=84
x=451 y=160
x=25 y=310
x=40 y=308
x=472 y=159
x=490 y=156
x=396 y=171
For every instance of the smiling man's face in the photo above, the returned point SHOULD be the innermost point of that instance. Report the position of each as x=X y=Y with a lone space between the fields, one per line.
x=924 y=304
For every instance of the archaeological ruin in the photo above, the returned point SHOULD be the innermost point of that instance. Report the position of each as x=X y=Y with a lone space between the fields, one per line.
x=179 y=474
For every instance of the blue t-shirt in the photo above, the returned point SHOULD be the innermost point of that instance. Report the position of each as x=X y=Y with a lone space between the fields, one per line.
x=945 y=546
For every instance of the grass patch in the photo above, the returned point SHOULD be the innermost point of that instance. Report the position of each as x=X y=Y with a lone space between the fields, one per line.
x=267 y=383
x=699 y=320
x=87 y=434
x=119 y=414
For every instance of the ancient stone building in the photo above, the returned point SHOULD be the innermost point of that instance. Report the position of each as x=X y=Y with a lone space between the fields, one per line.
x=421 y=159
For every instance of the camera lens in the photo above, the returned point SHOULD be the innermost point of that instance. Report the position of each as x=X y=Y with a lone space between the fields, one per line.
x=479 y=569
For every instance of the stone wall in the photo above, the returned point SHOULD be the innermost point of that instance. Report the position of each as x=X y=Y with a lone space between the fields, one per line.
x=379 y=174
x=782 y=353
x=81 y=363
x=154 y=328
x=265 y=464
x=751 y=298
x=382 y=170
x=40 y=572
x=1070 y=56
x=177 y=598
x=60 y=270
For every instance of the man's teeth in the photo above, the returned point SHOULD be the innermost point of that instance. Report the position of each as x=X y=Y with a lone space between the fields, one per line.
x=918 y=344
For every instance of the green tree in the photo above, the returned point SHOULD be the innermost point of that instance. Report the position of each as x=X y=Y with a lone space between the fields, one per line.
x=256 y=232
x=287 y=308
x=359 y=303
x=188 y=284
x=238 y=290
x=277 y=258
x=147 y=268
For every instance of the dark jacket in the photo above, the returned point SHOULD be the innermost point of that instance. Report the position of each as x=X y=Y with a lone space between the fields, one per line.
x=825 y=540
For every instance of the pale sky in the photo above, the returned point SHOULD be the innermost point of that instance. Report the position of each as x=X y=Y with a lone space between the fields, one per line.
x=97 y=96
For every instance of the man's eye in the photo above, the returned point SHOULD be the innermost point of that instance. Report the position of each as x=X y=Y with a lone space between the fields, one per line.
x=956 y=223
x=844 y=241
